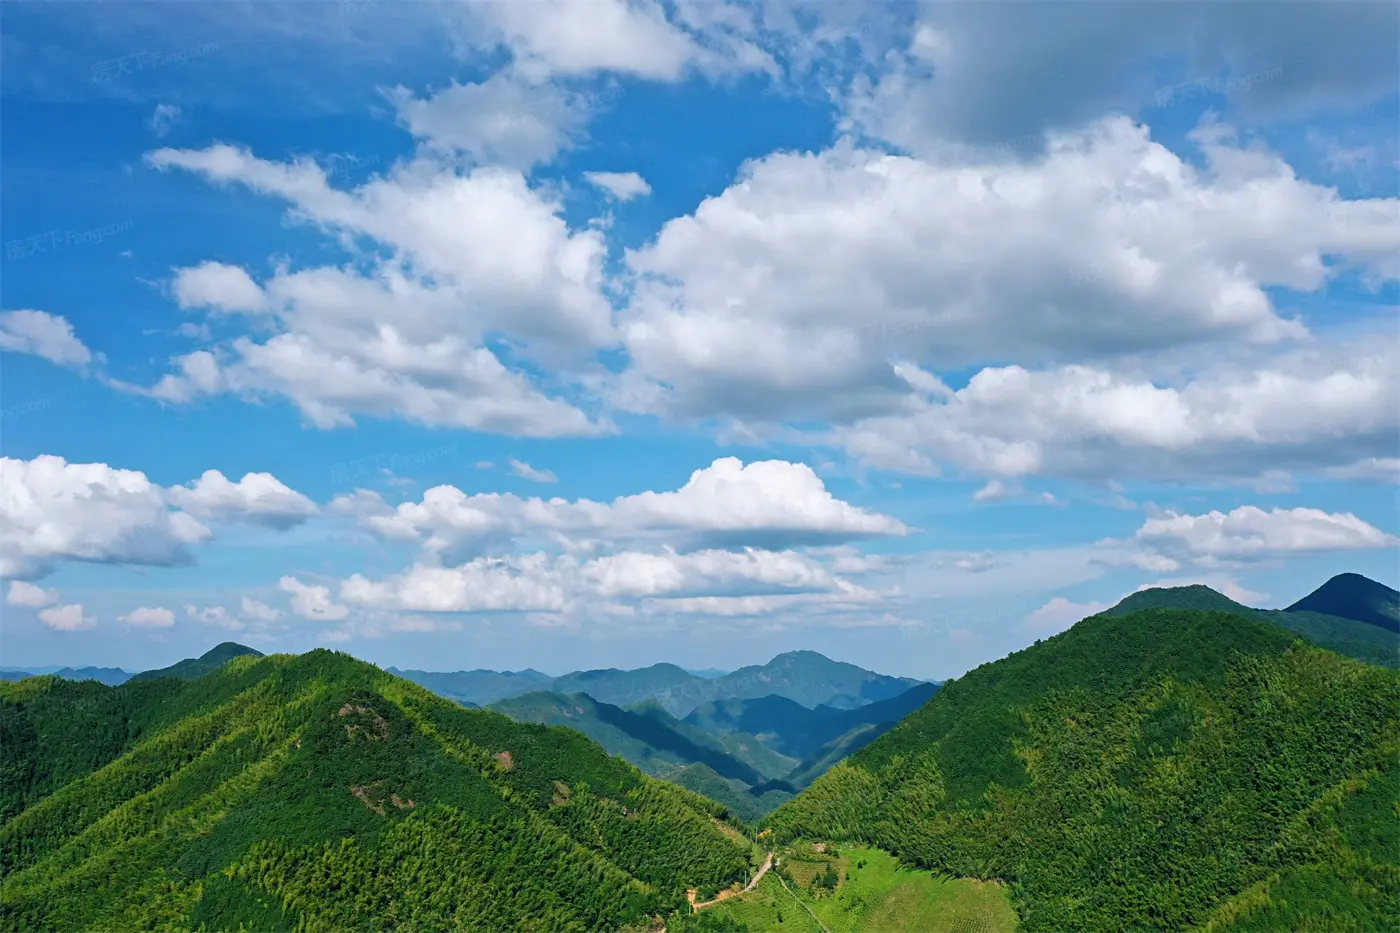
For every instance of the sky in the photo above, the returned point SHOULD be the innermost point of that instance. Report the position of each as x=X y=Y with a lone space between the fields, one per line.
x=596 y=334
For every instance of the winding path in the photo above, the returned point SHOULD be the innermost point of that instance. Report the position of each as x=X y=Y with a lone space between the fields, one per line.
x=725 y=895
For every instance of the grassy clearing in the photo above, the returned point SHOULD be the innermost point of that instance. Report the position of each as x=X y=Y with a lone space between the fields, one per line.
x=875 y=894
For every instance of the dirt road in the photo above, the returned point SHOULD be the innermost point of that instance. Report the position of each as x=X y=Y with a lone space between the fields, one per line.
x=725 y=895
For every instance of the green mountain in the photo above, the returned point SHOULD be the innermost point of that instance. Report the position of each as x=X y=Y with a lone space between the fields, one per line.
x=211 y=660
x=479 y=687
x=649 y=738
x=111 y=676
x=317 y=792
x=1352 y=596
x=1350 y=637
x=800 y=732
x=1164 y=769
x=806 y=677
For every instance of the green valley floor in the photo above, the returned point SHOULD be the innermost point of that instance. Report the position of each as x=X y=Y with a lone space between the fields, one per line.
x=873 y=893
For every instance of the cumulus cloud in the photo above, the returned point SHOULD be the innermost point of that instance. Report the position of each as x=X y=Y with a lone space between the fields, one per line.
x=45 y=335
x=476 y=254
x=145 y=617
x=822 y=285
x=543 y=582
x=54 y=511
x=28 y=594
x=995 y=491
x=523 y=470
x=218 y=287
x=257 y=611
x=1250 y=533
x=730 y=503
x=70 y=618
x=258 y=498
x=500 y=121
x=312 y=602
x=559 y=38
x=622 y=185
x=1306 y=411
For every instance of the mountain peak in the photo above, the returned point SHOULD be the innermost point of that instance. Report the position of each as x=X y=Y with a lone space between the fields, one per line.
x=1352 y=596
x=227 y=650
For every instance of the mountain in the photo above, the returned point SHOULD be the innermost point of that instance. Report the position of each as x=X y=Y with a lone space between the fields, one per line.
x=211 y=660
x=1164 y=769
x=1350 y=637
x=707 y=672
x=649 y=738
x=806 y=677
x=479 y=687
x=319 y=792
x=791 y=728
x=1352 y=596
x=111 y=676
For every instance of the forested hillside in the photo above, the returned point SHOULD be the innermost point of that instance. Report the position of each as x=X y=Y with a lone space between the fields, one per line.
x=1160 y=770
x=211 y=660
x=1354 y=638
x=319 y=792
x=1352 y=596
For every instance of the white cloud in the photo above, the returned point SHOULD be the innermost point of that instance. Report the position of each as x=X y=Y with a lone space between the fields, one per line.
x=312 y=602
x=53 y=511
x=45 y=335
x=219 y=287
x=764 y=502
x=622 y=185
x=145 y=617
x=1305 y=411
x=1250 y=533
x=824 y=286
x=257 y=611
x=1368 y=470
x=474 y=254
x=995 y=491
x=68 y=618
x=258 y=498
x=542 y=582
x=215 y=615
x=501 y=121
x=557 y=37
x=525 y=471
x=28 y=594
x=1058 y=615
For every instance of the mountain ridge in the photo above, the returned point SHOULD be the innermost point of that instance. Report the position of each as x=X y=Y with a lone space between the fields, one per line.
x=1139 y=771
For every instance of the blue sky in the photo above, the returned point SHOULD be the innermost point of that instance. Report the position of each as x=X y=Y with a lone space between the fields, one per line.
x=585 y=335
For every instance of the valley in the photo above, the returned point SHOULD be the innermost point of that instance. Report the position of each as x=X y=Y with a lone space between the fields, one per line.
x=1177 y=762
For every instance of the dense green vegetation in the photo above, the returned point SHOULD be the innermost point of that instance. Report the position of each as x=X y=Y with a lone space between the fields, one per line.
x=1160 y=770
x=855 y=890
x=1351 y=637
x=316 y=792
x=1352 y=596
x=211 y=660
